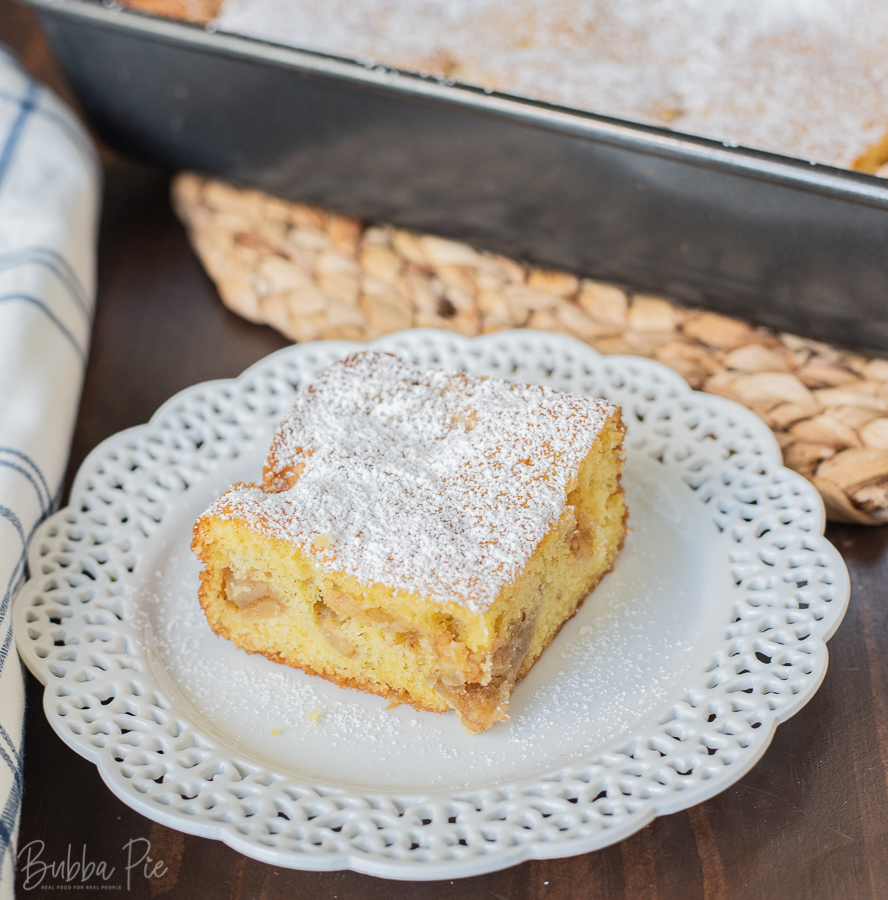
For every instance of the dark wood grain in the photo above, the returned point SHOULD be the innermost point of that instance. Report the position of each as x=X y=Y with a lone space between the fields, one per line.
x=809 y=821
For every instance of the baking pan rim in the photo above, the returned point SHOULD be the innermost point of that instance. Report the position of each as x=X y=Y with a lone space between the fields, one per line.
x=853 y=186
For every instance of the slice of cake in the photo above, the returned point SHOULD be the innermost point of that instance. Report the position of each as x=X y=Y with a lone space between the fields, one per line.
x=418 y=534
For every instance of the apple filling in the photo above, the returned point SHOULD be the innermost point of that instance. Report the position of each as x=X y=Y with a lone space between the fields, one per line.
x=459 y=675
x=255 y=598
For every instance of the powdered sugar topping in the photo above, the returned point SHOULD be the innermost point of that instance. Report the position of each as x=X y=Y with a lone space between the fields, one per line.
x=422 y=480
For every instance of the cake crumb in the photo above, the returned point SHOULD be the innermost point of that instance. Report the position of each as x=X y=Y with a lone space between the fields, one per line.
x=315 y=716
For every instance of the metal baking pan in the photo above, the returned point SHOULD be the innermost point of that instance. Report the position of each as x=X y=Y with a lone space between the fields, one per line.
x=796 y=246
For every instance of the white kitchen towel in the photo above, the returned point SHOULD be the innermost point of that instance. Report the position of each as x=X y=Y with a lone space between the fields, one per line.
x=49 y=201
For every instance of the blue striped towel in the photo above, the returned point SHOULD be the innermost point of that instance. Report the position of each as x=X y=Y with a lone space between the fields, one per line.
x=49 y=192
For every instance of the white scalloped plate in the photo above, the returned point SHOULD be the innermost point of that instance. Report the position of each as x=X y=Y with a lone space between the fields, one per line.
x=664 y=690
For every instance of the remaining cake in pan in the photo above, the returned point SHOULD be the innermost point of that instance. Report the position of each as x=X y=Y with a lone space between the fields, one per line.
x=418 y=534
x=800 y=77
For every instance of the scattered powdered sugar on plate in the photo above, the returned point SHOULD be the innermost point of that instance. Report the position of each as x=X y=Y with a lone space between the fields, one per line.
x=807 y=78
x=420 y=479
x=622 y=655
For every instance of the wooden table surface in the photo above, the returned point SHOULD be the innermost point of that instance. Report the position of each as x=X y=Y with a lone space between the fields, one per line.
x=809 y=821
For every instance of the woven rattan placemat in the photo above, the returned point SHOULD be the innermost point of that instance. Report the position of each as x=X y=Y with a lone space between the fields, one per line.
x=312 y=274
